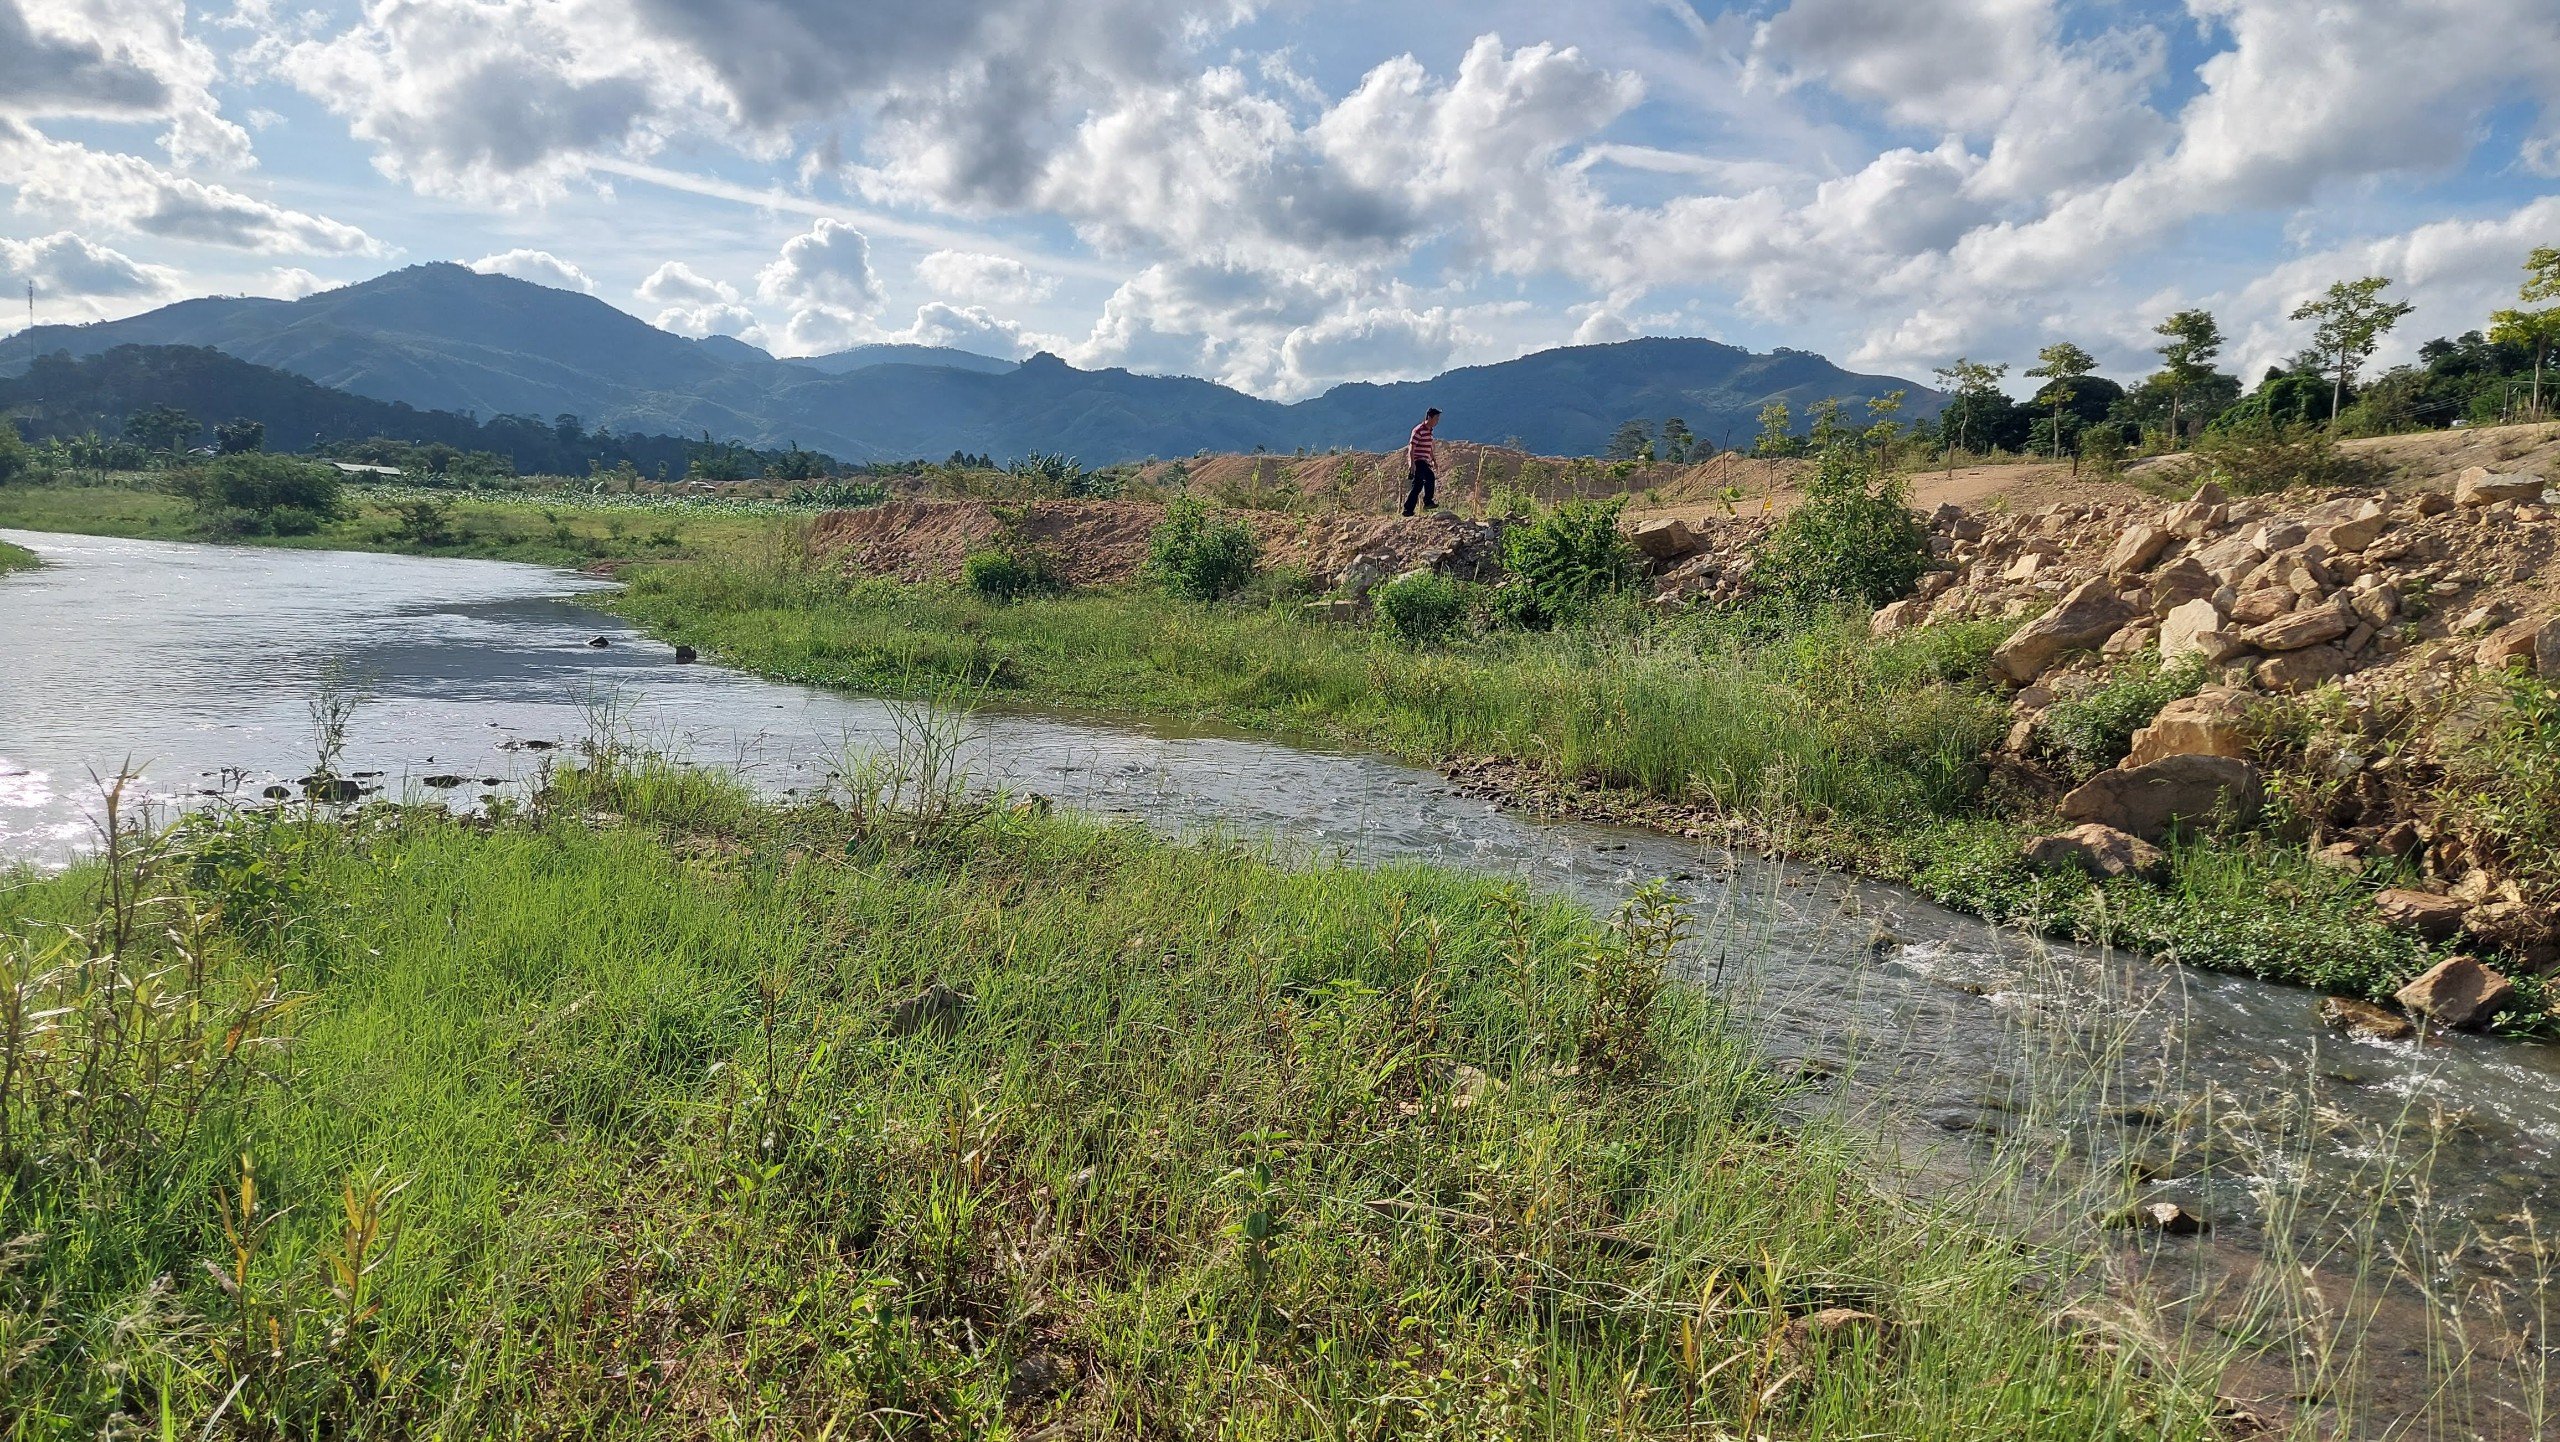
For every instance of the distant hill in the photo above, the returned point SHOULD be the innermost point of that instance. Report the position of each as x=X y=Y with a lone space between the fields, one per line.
x=442 y=337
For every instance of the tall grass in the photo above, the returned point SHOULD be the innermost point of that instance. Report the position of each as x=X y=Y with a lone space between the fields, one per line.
x=16 y=558
x=652 y=1111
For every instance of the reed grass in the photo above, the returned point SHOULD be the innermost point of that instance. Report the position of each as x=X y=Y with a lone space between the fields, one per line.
x=651 y=1110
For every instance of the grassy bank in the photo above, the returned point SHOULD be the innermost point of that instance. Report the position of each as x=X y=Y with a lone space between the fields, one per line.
x=646 y=1112
x=1856 y=752
x=546 y=529
x=16 y=558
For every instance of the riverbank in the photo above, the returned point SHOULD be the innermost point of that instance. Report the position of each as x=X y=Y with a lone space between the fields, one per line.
x=1824 y=742
x=549 y=529
x=648 y=1109
x=16 y=558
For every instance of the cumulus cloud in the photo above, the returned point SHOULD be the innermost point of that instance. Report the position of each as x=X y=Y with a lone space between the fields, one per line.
x=538 y=266
x=967 y=276
x=969 y=328
x=830 y=266
x=49 y=72
x=678 y=284
x=292 y=282
x=714 y=318
x=94 y=188
x=65 y=265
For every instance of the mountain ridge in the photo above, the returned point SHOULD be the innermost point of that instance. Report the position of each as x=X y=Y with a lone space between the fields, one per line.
x=440 y=337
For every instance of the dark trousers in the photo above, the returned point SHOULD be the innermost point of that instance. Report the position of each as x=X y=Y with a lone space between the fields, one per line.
x=1425 y=488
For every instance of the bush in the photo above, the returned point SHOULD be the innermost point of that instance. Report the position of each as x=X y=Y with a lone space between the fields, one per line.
x=1557 y=568
x=1854 y=539
x=1194 y=555
x=16 y=460
x=259 y=493
x=2087 y=733
x=1421 y=609
x=1008 y=575
x=2255 y=457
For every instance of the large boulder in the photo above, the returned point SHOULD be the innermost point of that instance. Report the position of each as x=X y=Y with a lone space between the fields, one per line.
x=2429 y=915
x=2306 y=627
x=2510 y=644
x=2135 y=550
x=2196 y=629
x=2458 y=992
x=1896 y=616
x=2153 y=799
x=2086 y=617
x=2546 y=649
x=2361 y=525
x=1662 y=539
x=2101 y=851
x=2479 y=486
x=2302 y=670
x=2209 y=723
x=2179 y=582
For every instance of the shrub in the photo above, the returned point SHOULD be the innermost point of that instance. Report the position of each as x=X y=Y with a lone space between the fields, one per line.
x=2087 y=733
x=1421 y=609
x=257 y=492
x=2258 y=456
x=1559 y=566
x=1854 y=539
x=1195 y=555
x=17 y=461
x=999 y=574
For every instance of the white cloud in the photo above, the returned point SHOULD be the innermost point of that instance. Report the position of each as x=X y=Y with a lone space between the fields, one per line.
x=713 y=318
x=974 y=276
x=94 y=188
x=68 y=266
x=969 y=328
x=829 y=266
x=46 y=71
x=678 y=284
x=292 y=282
x=540 y=267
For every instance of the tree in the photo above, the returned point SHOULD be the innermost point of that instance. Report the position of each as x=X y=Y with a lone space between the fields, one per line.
x=235 y=437
x=2352 y=317
x=162 y=428
x=1777 y=431
x=2533 y=330
x=1676 y=440
x=1974 y=386
x=1629 y=442
x=2061 y=364
x=2190 y=342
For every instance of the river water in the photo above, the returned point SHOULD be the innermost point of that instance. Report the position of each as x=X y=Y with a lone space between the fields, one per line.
x=2026 y=1078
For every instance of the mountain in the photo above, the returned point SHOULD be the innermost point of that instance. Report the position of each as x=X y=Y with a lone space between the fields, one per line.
x=863 y=357
x=442 y=337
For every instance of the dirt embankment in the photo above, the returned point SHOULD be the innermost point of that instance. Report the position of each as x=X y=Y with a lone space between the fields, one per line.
x=1101 y=542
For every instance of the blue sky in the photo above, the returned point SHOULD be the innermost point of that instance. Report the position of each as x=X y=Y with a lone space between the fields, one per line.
x=1284 y=196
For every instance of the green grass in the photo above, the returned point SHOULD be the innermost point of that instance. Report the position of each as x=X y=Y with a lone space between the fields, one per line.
x=558 y=530
x=1843 y=749
x=605 y=1120
x=16 y=558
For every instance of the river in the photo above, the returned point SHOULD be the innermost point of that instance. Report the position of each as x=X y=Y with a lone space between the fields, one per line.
x=2024 y=1078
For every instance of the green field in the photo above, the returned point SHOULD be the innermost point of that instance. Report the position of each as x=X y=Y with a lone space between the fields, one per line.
x=647 y=1111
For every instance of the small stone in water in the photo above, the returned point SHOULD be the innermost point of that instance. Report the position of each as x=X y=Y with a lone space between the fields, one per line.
x=598 y=641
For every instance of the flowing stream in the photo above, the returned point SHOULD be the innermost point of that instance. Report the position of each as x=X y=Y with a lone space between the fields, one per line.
x=2028 y=1078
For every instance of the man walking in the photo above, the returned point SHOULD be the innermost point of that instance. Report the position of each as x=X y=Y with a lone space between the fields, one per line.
x=1417 y=453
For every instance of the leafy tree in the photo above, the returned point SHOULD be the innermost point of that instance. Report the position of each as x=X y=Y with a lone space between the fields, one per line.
x=2062 y=365
x=1629 y=442
x=1853 y=539
x=255 y=492
x=1827 y=428
x=1975 y=387
x=16 y=459
x=1677 y=442
x=1882 y=429
x=162 y=428
x=2351 y=319
x=796 y=464
x=234 y=437
x=1777 y=432
x=2533 y=330
x=2190 y=341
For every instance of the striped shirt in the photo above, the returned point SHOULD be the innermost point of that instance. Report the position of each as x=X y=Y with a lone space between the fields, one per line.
x=1419 y=449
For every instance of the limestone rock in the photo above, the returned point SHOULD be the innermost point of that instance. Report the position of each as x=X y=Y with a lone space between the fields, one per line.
x=2364 y=1019
x=2546 y=650
x=1895 y=616
x=1664 y=538
x=2457 y=991
x=2376 y=606
x=2479 y=486
x=2360 y=527
x=2102 y=851
x=2257 y=608
x=2086 y=617
x=2149 y=800
x=2135 y=550
x=2429 y=915
x=2301 y=670
x=2508 y=645
x=2196 y=628
x=2191 y=520
x=2179 y=582
x=2430 y=503
x=2306 y=627
x=2209 y=723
